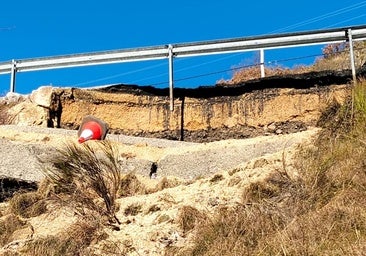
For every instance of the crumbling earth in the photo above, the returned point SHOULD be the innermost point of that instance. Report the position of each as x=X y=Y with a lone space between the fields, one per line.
x=153 y=225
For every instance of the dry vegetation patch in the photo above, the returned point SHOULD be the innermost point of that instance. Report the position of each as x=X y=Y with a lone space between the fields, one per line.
x=321 y=212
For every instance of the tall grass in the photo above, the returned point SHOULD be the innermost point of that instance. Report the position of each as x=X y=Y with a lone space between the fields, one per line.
x=87 y=177
x=321 y=212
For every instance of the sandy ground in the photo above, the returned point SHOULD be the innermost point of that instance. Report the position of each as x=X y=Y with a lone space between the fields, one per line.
x=149 y=232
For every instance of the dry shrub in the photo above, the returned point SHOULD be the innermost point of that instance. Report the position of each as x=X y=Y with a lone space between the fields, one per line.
x=334 y=57
x=277 y=188
x=189 y=217
x=8 y=225
x=166 y=182
x=338 y=228
x=254 y=72
x=120 y=248
x=131 y=185
x=4 y=116
x=83 y=175
x=27 y=205
x=133 y=209
x=334 y=181
x=240 y=230
x=74 y=241
x=235 y=231
x=337 y=57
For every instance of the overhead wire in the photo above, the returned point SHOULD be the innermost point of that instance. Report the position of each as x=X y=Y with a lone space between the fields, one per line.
x=344 y=21
x=187 y=68
x=296 y=25
x=322 y=17
x=236 y=68
x=121 y=74
x=328 y=15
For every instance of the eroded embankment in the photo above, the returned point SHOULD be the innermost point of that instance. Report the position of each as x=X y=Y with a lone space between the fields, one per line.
x=273 y=105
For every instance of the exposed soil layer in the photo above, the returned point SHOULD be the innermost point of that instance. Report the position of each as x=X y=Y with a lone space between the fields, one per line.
x=271 y=105
x=210 y=135
x=313 y=82
x=296 y=81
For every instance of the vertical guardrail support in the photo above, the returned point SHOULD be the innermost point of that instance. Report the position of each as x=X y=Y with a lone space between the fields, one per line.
x=171 y=78
x=12 y=75
x=352 y=56
x=261 y=53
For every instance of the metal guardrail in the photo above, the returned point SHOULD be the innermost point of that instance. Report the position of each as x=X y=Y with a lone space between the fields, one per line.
x=184 y=50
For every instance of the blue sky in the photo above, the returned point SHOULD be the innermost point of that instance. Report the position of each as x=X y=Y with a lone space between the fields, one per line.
x=30 y=29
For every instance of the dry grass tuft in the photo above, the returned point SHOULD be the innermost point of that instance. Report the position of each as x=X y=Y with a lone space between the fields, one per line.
x=8 y=225
x=82 y=175
x=27 y=205
x=166 y=182
x=4 y=116
x=133 y=209
x=131 y=185
x=189 y=217
x=76 y=240
x=121 y=248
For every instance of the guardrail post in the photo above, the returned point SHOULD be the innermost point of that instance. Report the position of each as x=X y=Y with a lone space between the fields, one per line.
x=261 y=52
x=352 y=56
x=171 y=78
x=12 y=75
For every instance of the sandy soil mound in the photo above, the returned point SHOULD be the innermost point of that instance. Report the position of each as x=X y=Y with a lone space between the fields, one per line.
x=153 y=225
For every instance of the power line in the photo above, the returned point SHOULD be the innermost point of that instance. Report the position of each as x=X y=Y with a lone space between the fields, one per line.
x=296 y=25
x=120 y=74
x=248 y=66
x=7 y=28
x=322 y=17
x=344 y=21
x=236 y=68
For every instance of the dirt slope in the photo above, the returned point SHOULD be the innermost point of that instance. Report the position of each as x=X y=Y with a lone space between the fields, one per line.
x=154 y=225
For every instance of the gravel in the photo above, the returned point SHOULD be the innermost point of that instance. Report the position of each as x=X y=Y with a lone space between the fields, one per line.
x=187 y=160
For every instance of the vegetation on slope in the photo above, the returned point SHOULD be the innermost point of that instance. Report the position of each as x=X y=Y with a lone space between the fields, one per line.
x=321 y=212
x=334 y=57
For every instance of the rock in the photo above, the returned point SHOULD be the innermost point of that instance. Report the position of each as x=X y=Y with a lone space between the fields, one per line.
x=42 y=96
x=271 y=127
x=28 y=114
x=22 y=234
x=279 y=131
x=19 y=161
x=12 y=97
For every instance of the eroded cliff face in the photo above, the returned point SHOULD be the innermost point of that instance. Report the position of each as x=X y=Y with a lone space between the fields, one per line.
x=273 y=105
x=150 y=115
x=130 y=112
